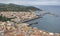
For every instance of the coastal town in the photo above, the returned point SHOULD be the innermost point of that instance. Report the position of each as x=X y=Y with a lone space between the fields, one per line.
x=17 y=26
x=19 y=16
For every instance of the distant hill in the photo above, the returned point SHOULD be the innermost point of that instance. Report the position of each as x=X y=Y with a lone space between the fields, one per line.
x=14 y=7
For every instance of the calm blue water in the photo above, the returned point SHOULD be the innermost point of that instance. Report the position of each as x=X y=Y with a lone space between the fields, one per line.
x=48 y=22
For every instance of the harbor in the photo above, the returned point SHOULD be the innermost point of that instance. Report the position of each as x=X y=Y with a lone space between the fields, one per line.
x=20 y=20
x=22 y=28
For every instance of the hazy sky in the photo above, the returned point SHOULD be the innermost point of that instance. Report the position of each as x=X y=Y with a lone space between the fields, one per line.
x=32 y=2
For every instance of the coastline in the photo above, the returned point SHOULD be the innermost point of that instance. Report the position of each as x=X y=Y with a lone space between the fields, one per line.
x=24 y=26
x=31 y=19
x=26 y=29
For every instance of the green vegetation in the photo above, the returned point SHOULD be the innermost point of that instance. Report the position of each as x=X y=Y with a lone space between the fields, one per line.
x=2 y=18
x=14 y=7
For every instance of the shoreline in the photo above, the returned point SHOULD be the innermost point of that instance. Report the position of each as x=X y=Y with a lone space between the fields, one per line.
x=23 y=25
x=31 y=19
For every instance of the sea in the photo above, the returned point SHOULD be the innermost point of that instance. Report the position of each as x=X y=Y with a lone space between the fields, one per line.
x=48 y=23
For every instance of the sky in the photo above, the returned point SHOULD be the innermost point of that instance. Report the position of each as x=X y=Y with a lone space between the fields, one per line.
x=32 y=2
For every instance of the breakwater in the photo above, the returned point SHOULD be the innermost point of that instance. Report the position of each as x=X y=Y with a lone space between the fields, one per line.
x=31 y=19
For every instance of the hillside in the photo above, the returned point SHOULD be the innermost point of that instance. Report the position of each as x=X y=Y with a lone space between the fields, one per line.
x=14 y=7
